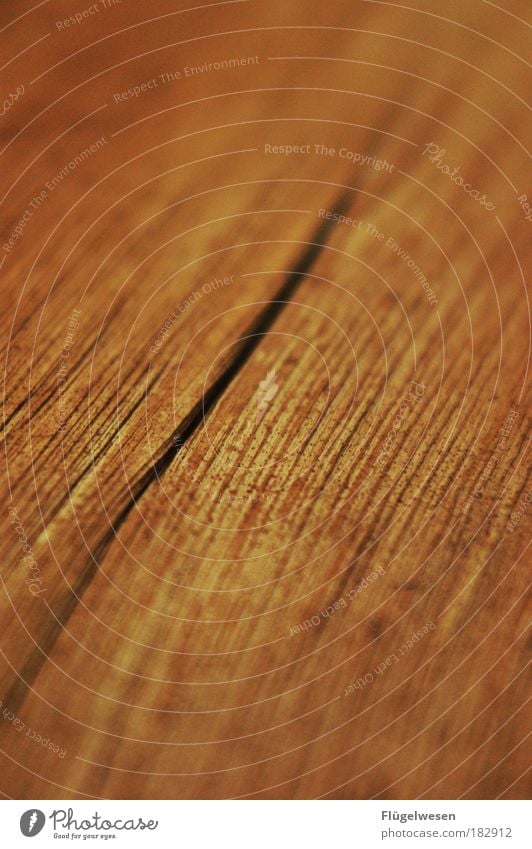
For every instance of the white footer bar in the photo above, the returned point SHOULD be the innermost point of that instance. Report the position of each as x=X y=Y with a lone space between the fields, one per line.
x=266 y=824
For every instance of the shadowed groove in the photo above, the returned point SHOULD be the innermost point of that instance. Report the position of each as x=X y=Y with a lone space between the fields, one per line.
x=167 y=452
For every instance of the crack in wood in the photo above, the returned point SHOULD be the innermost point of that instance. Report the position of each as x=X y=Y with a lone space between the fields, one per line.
x=166 y=453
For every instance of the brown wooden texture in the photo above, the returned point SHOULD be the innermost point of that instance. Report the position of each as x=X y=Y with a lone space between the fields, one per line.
x=266 y=480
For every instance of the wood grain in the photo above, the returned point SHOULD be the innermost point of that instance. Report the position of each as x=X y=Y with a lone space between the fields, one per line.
x=320 y=595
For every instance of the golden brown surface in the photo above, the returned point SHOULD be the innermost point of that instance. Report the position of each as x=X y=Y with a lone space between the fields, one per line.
x=252 y=449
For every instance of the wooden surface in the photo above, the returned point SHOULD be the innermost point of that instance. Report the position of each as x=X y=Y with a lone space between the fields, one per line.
x=251 y=448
